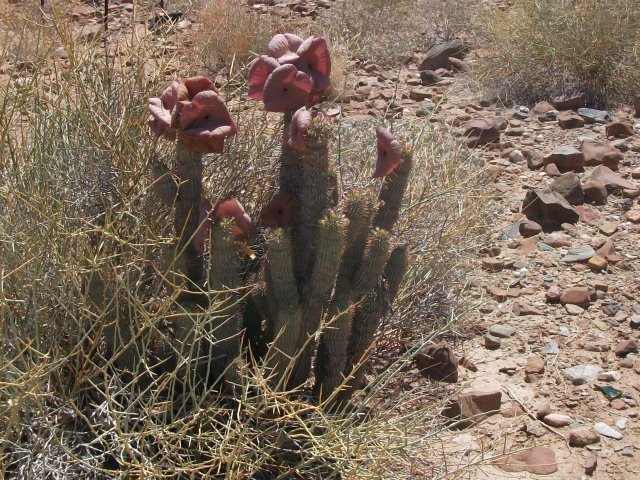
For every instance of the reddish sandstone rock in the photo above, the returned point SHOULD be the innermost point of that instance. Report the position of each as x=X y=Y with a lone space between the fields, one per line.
x=595 y=191
x=549 y=209
x=619 y=130
x=600 y=153
x=566 y=158
x=472 y=407
x=580 y=296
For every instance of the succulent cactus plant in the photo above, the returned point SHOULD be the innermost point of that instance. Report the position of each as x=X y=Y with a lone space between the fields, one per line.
x=329 y=269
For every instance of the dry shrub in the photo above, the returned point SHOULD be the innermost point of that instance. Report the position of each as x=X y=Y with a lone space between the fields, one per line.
x=230 y=32
x=539 y=49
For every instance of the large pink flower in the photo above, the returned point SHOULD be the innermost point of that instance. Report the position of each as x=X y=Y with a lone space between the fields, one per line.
x=389 y=153
x=315 y=61
x=286 y=89
x=164 y=111
x=205 y=123
x=283 y=47
x=302 y=82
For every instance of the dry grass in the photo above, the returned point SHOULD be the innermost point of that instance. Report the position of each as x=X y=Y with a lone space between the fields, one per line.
x=229 y=32
x=540 y=49
x=390 y=31
x=80 y=237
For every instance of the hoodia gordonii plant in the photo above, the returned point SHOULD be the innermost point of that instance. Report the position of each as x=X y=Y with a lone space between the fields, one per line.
x=329 y=266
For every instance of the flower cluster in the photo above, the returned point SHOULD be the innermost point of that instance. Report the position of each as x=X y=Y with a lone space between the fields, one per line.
x=192 y=109
x=294 y=74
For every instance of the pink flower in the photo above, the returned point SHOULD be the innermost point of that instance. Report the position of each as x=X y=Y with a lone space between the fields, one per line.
x=280 y=211
x=205 y=123
x=164 y=111
x=315 y=61
x=259 y=72
x=286 y=89
x=295 y=135
x=389 y=153
x=302 y=82
x=234 y=210
x=283 y=46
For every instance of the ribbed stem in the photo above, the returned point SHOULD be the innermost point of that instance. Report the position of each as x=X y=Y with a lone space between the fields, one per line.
x=392 y=191
x=325 y=270
x=290 y=165
x=187 y=208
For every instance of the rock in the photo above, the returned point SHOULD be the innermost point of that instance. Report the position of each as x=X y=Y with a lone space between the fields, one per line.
x=529 y=228
x=583 y=436
x=491 y=342
x=597 y=263
x=568 y=185
x=569 y=102
x=626 y=347
x=534 y=428
x=480 y=132
x=535 y=160
x=458 y=65
x=580 y=296
x=592 y=115
x=420 y=93
x=633 y=216
x=438 y=362
x=609 y=228
x=535 y=364
x=522 y=309
x=619 y=130
x=552 y=170
x=438 y=55
x=543 y=410
x=634 y=322
x=557 y=420
x=553 y=295
x=542 y=107
x=581 y=374
x=607 y=431
x=573 y=309
x=612 y=180
x=590 y=463
x=516 y=156
x=537 y=460
x=502 y=331
x=557 y=240
x=568 y=119
x=511 y=410
x=429 y=77
x=566 y=158
x=600 y=153
x=579 y=253
x=595 y=191
x=549 y=209
x=493 y=264
x=472 y=407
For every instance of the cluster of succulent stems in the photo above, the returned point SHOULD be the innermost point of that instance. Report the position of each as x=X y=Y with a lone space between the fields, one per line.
x=329 y=266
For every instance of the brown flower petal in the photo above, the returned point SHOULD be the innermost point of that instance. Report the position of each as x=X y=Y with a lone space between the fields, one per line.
x=283 y=47
x=280 y=211
x=389 y=153
x=204 y=223
x=195 y=85
x=298 y=128
x=259 y=71
x=286 y=89
x=233 y=209
x=205 y=123
x=315 y=61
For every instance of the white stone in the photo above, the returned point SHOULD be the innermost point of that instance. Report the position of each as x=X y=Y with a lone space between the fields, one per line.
x=607 y=431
